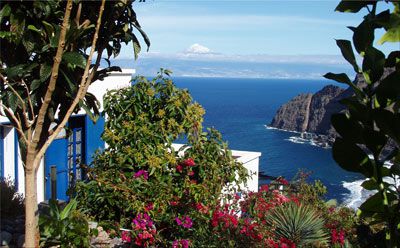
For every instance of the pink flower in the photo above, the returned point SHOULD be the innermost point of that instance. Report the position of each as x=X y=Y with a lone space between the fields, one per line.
x=184 y=243
x=190 y=173
x=179 y=168
x=189 y=162
x=185 y=221
x=126 y=237
x=142 y=173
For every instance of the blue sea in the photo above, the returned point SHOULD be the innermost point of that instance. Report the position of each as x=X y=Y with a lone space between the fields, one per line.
x=241 y=108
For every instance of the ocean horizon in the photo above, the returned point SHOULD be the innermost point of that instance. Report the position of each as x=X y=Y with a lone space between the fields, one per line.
x=242 y=108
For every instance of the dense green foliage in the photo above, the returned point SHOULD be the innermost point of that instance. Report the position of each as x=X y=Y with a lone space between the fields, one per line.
x=11 y=202
x=370 y=128
x=140 y=172
x=63 y=226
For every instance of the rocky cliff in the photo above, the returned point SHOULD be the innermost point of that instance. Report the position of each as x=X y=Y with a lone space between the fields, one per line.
x=311 y=112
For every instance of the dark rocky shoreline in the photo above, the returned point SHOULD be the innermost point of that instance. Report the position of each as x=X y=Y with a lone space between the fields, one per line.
x=310 y=115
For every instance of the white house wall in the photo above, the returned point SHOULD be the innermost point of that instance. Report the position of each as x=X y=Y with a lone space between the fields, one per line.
x=9 y=155
x=250 y=161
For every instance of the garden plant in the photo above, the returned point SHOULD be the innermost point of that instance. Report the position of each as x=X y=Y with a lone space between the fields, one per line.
x=370 y=128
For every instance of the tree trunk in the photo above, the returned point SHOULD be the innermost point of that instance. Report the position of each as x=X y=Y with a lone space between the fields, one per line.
x=31 y=206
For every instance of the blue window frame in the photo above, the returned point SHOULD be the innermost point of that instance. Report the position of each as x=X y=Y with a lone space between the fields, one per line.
x=75 y=155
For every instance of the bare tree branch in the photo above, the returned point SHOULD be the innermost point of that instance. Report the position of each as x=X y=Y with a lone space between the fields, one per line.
x=17 y=124
x=85 y=82
x=30 y=103
x=28 y=122
x=53 y=78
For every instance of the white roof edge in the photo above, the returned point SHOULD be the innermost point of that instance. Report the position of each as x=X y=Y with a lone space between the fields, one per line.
x=125 y=72
x=243 y=156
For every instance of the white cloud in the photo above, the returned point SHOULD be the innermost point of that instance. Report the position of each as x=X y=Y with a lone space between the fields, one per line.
x=198 y=49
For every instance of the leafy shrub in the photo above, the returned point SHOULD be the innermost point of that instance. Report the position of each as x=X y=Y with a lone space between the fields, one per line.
x=12 y=203
x=299 y=224
x=141 y=174
x=65 y=227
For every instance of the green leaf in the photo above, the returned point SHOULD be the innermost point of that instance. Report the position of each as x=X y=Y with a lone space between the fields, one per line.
x=49 y=28
x=348 y=54
x=136 y=49
x=389 y=87
x=28 y=42
x=35 y=84
x=374 y=140
x=45 y=72
x=144 y=35
x=348 y=128
x=5 y=11
x=388 y=122
x=351 y=158
x=363 y=36
x=373 y=64
x=352 y=6
x=14 y=71
x=393 y=59
x=374 y=204
x=395 y=169
x=33 y=28
x=71 y=206
x=343 y=78
x=370 y=184
x=392 y=30
x=75 y=59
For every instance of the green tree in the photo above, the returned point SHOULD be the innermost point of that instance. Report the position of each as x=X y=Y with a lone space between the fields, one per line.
x=370 y=128
x=50 y=54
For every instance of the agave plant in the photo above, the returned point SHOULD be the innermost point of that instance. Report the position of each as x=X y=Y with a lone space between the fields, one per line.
x=300 y=224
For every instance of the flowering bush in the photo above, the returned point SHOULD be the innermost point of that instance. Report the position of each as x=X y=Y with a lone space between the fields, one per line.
x=141 y=174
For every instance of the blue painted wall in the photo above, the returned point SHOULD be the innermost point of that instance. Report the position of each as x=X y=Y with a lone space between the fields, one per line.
x=56 y=155
x=93 y=139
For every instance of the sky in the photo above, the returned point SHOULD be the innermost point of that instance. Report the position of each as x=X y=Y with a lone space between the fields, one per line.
x=242 y=33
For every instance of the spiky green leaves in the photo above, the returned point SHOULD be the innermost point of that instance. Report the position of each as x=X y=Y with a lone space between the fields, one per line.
x=300 y=224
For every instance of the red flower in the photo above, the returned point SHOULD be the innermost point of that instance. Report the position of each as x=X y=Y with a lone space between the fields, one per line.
x=189 y=162
x=282 y=181
x=341 y=237
x=179 y=168
x=264 y=188
x=149 y=207
x=126 y=237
